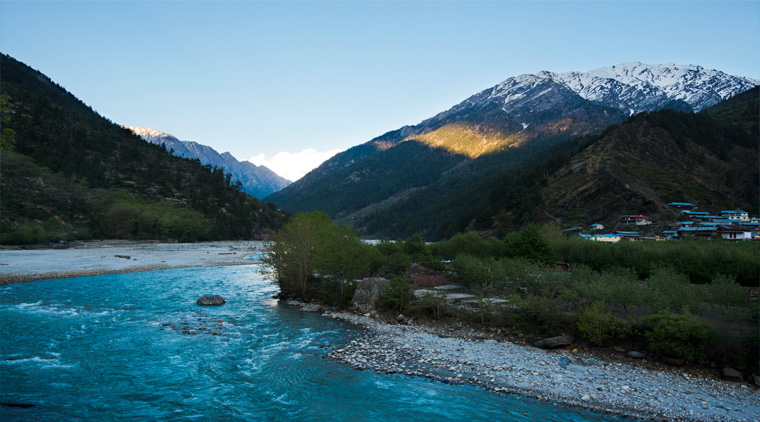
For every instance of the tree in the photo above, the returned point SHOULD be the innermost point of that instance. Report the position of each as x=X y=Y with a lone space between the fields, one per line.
x=294 y=250
x=7 y=135
x=342 y=255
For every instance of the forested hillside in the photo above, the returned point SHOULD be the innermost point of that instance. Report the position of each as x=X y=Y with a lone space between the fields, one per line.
x=69 y=173
x=708 y=158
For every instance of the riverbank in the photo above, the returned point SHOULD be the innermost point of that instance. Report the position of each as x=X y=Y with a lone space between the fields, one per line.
x=626 y=388
x=112 y=257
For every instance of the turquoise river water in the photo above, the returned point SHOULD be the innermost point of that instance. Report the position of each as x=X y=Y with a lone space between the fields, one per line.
x=137 y=347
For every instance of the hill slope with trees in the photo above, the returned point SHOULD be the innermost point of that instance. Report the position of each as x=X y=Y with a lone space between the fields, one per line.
x=68 y=173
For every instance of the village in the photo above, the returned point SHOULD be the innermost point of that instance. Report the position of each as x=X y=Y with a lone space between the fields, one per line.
x=730 y=225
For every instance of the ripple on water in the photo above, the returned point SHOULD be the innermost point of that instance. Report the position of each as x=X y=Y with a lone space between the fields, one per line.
x=136 y=345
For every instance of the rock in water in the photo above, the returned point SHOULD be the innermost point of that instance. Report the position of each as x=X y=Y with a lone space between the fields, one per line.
x=554 y=342
x=311 y=307
x=210 y=300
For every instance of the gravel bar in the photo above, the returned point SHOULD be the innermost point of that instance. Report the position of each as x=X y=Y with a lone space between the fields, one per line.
x=560 y=376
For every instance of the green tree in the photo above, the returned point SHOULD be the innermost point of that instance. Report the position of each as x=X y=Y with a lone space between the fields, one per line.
x=342 y=255
x=7 y=135
x=293 y=252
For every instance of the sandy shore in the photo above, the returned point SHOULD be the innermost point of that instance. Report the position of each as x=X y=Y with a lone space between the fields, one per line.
x=621 y=387
x=111 y=257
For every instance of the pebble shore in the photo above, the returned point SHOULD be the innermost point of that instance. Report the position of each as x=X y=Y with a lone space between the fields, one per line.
x=574 y=379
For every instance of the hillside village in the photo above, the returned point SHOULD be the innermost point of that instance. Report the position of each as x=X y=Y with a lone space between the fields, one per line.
x=730 y=225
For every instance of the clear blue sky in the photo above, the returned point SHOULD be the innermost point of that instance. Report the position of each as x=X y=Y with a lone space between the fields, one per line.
x=254 y=77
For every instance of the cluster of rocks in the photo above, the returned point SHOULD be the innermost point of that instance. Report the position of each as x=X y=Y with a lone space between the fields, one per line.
x=558 y=375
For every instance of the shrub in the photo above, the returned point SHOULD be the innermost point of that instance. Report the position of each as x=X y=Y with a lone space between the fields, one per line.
x=396 y=294
x=677 y=335
x=599 y=325
x=669 y=290
x=435 y=303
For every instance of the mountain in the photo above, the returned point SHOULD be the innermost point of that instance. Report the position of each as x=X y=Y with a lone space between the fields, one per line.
x=258 y=181
x=710 y=159
x=404 y=177
x=68 y=173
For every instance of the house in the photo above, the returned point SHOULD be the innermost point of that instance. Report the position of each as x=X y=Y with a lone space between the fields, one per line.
x=730 y=233
x=726 y=221
x=597 y=226
x=693 y=213
x=607 y=238
x=639 y=220
x=700 y=231
x=671 y=235
x=425 y=277
x=735 y=214
x=705 y=217
x=628 y=235
x=682 y=205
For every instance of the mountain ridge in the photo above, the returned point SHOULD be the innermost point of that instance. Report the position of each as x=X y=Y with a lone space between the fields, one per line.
x=257 y=181
x=525 y=112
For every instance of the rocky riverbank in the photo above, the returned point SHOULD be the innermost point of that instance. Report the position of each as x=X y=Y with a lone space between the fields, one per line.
x=112 y=257
x=626 y=388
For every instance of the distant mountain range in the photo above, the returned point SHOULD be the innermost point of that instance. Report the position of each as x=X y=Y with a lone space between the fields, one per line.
x=257 y=181
x=420 y=178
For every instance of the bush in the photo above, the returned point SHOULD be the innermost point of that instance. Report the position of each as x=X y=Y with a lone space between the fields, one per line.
x=529 y=243
x=677 y=335
x=599 y=325
x=396 y=294
x=669 y=290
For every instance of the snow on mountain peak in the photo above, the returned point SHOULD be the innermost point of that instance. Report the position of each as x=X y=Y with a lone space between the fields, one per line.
x=633 y=86
x=147 y=133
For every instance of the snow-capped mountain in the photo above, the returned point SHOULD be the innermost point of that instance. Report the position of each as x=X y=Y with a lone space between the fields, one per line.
x=632 y=87
x=515 y=119
x=258 y=181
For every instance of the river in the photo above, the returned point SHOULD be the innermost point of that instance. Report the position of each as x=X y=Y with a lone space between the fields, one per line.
x=136 y=347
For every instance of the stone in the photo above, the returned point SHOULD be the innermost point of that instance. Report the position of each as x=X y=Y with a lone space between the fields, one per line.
x=367 y=294
x=400 y=318
x=564 y=361
x=311 y=307
x=554 y=342
x=210 y=300
x=674 y=361
x=635 y=355
x=618 y=349
x=731 y=374
x=756 y=379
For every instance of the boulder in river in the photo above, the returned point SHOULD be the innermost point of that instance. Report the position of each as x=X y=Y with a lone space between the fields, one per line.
x=311 y=307
x=210 y=300
x=554 y=342
x=367 y=294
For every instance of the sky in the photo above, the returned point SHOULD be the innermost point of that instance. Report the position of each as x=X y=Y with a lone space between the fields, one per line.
x=287 y=83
